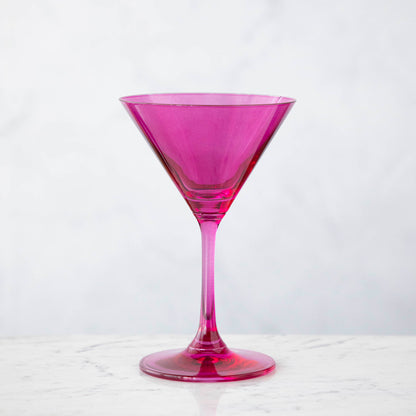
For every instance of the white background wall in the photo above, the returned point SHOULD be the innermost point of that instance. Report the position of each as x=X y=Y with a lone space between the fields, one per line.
x=95 y=238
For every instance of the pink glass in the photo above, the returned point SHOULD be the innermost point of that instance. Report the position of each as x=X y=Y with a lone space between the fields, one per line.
x=208 y=144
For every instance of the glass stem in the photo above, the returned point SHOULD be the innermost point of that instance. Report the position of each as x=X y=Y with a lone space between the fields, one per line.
x=207 y=337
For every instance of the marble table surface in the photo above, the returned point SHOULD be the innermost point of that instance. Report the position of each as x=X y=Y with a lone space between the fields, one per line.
x=316 y=375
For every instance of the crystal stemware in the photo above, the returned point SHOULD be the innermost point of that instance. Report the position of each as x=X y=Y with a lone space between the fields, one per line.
x=208 y=144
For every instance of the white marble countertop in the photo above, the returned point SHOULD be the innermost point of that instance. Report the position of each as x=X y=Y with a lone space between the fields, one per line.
x=316 y=375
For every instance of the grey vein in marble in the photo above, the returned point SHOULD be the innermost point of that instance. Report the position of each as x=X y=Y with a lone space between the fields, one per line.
x=316 y=375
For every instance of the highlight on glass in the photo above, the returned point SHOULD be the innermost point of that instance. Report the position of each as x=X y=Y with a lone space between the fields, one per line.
x=208 y=144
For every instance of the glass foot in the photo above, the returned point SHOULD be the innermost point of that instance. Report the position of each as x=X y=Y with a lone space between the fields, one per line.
x=182 y=365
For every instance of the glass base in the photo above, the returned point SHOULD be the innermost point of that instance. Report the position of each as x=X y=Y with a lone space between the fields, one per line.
x=230 y=365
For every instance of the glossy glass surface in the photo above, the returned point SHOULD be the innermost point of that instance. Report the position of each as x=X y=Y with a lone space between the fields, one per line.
x=208 y=144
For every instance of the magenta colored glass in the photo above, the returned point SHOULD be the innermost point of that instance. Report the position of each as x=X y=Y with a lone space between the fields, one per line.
x=208 y=144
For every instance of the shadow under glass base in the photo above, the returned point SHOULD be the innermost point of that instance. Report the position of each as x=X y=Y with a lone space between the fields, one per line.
x=181 y=365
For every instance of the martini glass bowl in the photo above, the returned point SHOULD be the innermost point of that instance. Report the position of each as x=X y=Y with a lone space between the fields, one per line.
x=208 y=144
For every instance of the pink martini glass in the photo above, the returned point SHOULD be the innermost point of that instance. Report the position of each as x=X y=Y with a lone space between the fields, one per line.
x=208 y=144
